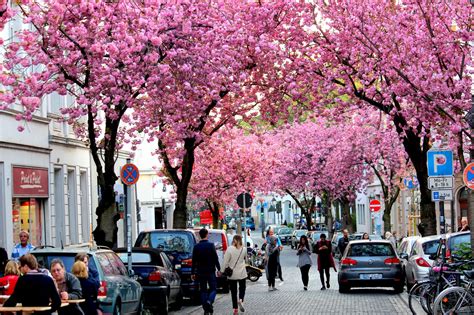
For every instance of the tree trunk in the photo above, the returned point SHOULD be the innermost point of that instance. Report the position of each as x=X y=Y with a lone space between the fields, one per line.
x=215 y=215
x=347 y=221
x=417 y=147
x=105 y=233
x=180 y=214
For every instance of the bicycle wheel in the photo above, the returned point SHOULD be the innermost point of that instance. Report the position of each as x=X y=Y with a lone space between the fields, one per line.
x=455 y=300
x=416 y=299
x=431 y=294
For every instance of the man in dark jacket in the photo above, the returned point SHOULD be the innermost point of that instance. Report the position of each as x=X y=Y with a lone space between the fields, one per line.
x=343 y=241
x=34 y=288
x=205 y=265
x=69 y=287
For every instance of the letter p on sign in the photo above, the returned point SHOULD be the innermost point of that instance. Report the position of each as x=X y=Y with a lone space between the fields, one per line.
x=439 y=160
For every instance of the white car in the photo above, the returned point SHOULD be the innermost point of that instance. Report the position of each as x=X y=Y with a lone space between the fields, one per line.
x=419 y=262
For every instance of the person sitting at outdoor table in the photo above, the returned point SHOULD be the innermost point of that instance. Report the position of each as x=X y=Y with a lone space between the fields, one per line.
x=69 y=287
x=90 y=288
x=9 y=280
x=34 y=288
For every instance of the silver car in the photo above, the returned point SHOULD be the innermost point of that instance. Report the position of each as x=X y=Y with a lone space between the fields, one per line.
x=419 y=262
x=367 y=263
x=404 y=251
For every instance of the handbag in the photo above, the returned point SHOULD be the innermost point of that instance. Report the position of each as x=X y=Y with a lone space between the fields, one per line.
x=228 y=271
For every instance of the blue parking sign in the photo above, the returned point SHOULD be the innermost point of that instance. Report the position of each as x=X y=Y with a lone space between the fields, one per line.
x=440 y=162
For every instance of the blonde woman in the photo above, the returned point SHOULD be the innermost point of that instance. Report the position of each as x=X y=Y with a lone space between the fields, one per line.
x=8 y=281
x=234 y=258
x=89 y=288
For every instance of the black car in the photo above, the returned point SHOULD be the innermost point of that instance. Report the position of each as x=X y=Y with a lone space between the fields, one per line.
x=157 y=276
x=178 y=245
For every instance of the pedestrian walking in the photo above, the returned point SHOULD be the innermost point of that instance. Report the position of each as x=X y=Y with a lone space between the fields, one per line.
x=343 y=241
x=205 y=265
x=304 y=260
x=391 y=238
x=69 y=287
x=234 y=259
x=325 y=260
x=34 y=288
x=271 y=233
x=89 y=287
x=464 y=225
x=22 y=248
x=365 y=236
x=272 y=253
x=10 y=278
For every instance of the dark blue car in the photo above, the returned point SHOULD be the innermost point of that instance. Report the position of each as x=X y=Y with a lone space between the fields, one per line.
x=178 y=245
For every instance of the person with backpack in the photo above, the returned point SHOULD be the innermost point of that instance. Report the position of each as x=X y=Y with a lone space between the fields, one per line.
x=234 y=269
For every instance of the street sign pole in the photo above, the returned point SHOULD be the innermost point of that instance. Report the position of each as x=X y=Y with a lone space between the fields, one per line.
x=245 y=225
x=128 y=225
x=442 y=223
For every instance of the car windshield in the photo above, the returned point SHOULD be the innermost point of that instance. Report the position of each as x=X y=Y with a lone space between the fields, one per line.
x=301 y=232
x=169 y=242
x=138 y=258
x=284 y=231
x=370 y=250
x=355 y=237
x=375 y=237
x=317 y=236
x=430 y=247
x=215 y=238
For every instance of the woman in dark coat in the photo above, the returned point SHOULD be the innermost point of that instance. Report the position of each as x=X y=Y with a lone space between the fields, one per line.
x=89 y=287
x=272 y=252
x=325 y=260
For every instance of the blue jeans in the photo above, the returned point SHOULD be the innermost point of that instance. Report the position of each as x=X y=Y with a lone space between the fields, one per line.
x=208 y=294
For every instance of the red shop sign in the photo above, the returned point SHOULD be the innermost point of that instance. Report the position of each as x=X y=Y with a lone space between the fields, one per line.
x=30 y=182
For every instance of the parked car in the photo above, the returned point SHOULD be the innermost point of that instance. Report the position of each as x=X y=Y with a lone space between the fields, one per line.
x=118 y=293
x=453 y=243
x=219 y=238
x=335 y=239
x=419 y=261
x=404 y=250
x=314 y=237
x=178 y=244
x=250 y=222
x=320 y=227
x=285 y=234
x=160 y=282
x=295 y=237
x=370 y=264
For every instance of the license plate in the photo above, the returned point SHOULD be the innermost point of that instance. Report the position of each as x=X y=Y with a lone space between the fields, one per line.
x=370 y=276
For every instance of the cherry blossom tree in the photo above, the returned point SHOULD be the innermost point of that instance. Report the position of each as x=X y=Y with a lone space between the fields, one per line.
x=231 y=163
x=175 y=70
x=408 y=59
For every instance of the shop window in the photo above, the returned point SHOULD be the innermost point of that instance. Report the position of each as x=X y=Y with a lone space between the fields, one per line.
x=27 y=216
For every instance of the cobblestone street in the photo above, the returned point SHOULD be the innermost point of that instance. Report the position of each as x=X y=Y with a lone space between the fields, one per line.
x=290 y=298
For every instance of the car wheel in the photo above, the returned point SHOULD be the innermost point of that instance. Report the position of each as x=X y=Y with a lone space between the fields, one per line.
x=164 y=306
x=344 y=288
x=117 y=308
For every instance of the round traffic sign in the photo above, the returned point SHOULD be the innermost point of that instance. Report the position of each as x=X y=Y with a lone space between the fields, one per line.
x=129 y=174
x=375 y=205
x=468 y=176
x=244 y=204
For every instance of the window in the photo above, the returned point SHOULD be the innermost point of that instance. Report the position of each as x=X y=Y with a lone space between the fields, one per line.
x=361 y=214
x=105 y=264
x=403 y=248
x=370 y=250
x=430 y=247
x=138 y=258
x=169 y=242
x=117 y=264
x=166 y=261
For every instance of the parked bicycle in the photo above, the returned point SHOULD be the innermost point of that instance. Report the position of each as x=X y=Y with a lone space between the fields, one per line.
x=447 y=275
x=457 y=299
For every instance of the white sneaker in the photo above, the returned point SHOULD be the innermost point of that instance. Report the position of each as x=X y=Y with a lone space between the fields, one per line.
x=270 y=289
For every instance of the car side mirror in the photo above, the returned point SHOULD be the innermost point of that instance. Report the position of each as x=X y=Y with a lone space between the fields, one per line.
x=404 y=256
